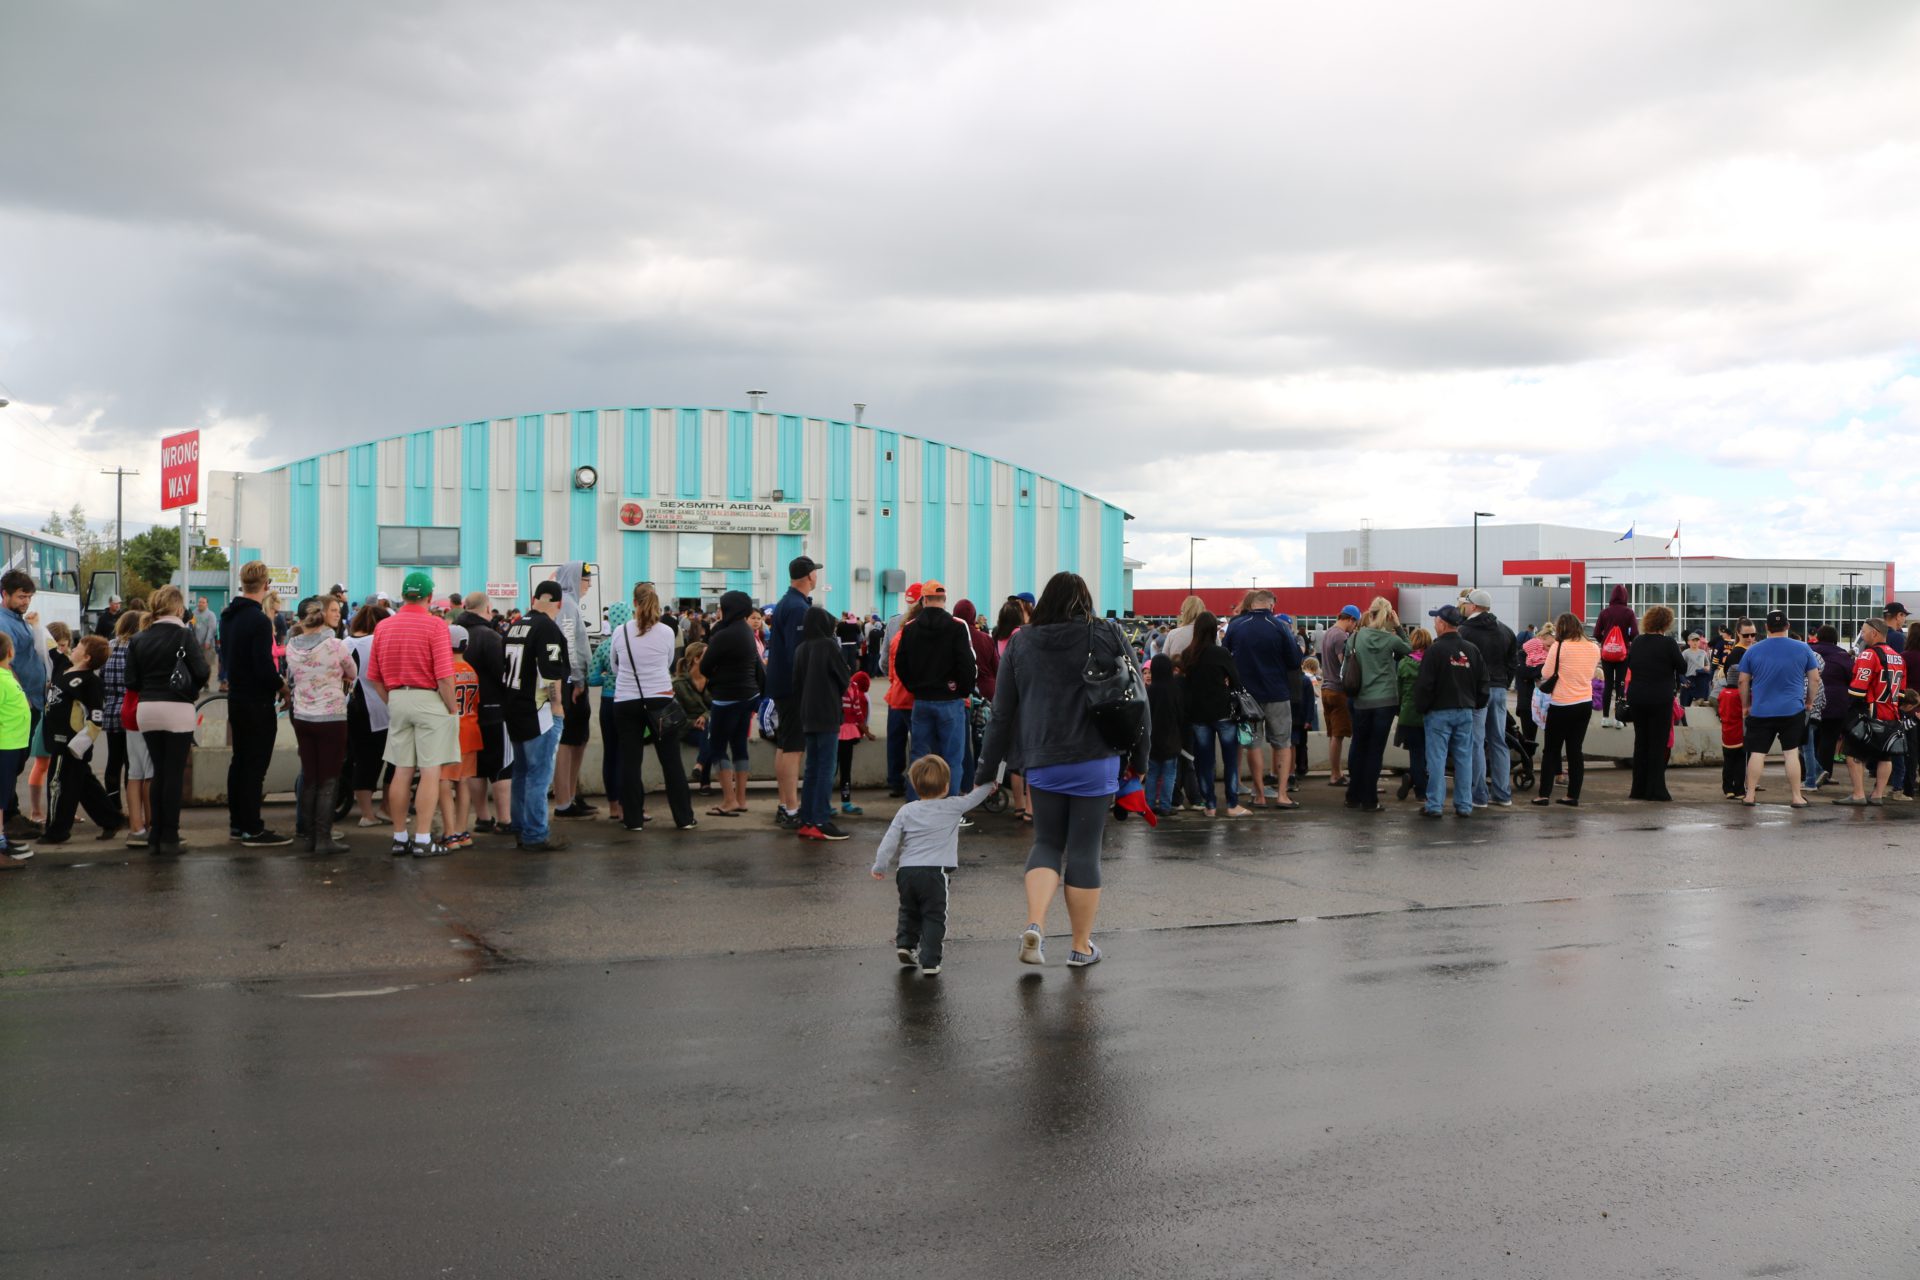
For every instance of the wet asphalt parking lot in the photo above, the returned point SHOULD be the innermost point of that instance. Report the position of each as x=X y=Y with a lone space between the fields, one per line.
x=1624 y=1040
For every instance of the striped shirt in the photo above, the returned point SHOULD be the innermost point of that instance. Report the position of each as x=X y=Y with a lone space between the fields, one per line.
x=411 y=650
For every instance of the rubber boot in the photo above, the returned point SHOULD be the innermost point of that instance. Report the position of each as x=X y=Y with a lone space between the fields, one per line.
x=304 y=810
x=321 y=816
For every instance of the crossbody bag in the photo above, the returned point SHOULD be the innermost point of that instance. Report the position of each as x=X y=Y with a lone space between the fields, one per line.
x=669 y=721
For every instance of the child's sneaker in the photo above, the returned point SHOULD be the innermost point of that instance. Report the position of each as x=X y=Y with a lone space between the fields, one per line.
x=460 y=840
x=851 y=809
x=827 y=831
x=1081 y=959
x=905 y=955
x=1033 y=947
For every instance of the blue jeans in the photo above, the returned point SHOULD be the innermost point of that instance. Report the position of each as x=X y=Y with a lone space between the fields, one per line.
x=1450 y=737
x=940 y=729
x=899 y=731
x=1492 y=761
x=816 y=777
x=1228 y=736
x=1160 y=776
x=532 y=776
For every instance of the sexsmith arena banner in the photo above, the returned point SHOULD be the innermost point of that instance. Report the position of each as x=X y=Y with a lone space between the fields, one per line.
x=686 y=515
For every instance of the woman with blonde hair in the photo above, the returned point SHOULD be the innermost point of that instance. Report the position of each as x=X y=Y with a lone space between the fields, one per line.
x=1182 y=634
x=1378 y=647
x=645 y=710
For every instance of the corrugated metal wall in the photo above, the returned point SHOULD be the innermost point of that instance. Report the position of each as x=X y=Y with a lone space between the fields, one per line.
x=881 y=500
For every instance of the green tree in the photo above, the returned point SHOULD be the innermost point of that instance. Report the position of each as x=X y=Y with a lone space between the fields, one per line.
x=153 y=556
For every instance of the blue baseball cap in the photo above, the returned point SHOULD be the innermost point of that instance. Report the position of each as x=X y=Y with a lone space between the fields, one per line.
x=1351 y=611
x=1025 y=597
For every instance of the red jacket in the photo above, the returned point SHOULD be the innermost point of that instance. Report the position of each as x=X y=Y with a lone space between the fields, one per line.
x=1733 y=727
x=853 y=706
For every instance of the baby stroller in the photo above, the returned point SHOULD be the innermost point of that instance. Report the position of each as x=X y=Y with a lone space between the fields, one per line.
x=979 y=711
x=1521 y=752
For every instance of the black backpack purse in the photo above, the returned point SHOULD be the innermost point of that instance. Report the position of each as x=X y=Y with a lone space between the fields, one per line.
x=1116 y=695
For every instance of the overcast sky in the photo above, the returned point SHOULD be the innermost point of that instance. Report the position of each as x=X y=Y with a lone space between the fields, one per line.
x=1243 y=268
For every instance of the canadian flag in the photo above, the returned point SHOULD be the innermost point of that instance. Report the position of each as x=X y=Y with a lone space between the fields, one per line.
x=1674 y=539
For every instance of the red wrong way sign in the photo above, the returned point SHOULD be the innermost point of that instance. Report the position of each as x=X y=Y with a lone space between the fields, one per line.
x=180 y=470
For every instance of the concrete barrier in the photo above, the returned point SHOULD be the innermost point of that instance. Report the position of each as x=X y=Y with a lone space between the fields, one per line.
x=1695 y=744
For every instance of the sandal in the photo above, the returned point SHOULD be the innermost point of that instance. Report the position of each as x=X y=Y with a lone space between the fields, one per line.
x=718 y=812
x=1286 y=804
x=1027 y=818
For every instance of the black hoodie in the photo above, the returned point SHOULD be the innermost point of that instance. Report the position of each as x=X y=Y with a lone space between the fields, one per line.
x=1163 y=705
x=935 y=657
x=731 y=663
x=246 y=651
x=820 y=673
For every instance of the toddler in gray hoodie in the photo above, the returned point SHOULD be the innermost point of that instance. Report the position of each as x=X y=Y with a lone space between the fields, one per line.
x=926 y=835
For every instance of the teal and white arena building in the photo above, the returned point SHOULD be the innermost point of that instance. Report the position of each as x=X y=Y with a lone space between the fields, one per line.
x=696 y=500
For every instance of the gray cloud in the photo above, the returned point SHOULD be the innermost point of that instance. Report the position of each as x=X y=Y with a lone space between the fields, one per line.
x=1107 y=239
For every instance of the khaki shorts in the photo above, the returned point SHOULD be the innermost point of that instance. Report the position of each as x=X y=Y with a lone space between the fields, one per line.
x=1279 y=723
x=1339 y=723
x=421 y=732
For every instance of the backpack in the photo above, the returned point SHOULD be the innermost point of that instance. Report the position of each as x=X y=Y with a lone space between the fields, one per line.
x=1614 y=647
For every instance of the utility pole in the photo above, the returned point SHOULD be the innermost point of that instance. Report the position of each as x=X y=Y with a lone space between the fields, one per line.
x=119 y=475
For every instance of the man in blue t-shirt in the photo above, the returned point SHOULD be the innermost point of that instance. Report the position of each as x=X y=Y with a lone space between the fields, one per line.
x=1778 y=677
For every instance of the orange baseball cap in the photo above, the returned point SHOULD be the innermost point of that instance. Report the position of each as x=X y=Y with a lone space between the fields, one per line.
x=932 y=588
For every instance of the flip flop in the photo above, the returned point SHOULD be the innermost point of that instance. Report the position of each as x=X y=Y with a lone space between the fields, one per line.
x=1286 y=804
x=1749 y=803
x=717 y=812
x=1801 y=804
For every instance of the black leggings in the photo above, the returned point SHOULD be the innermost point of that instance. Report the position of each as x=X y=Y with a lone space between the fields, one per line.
x=1566 y=732
x=846 y=769
x=365 y=746
x=1826 y=737
x=1068 y=829
x=634 y=721
x=169 y=752
x=1615 y=675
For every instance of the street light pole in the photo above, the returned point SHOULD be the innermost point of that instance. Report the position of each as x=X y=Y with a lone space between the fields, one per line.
x=1477 y=516
x=1190 y=541
x=119 y=475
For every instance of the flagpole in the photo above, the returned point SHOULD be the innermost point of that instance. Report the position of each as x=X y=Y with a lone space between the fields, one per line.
x=1681 y=552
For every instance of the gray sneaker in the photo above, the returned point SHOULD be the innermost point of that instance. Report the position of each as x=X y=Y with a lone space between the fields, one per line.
x=905 y=955
x=1033 y=947
x=1081 y=959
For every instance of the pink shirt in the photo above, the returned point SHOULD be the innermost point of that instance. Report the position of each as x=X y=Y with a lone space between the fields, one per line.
x=411 y=650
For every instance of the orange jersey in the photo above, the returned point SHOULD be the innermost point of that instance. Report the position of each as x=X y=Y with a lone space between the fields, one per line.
x=466 y=705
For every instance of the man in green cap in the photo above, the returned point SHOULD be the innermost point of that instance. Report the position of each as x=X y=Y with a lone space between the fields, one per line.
x=410 y=665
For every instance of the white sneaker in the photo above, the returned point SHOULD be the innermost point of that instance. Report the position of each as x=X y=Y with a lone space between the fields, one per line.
x=1033 y=947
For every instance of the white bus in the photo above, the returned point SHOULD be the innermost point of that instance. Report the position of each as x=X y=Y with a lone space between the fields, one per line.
x=54 y=565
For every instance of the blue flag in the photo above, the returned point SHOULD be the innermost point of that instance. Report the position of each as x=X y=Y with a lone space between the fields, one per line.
x=1625 y=536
